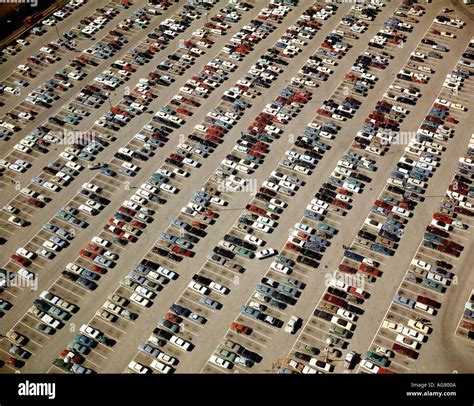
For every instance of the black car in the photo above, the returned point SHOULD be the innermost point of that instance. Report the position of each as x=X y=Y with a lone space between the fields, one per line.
x=307 y=261
x=322 y=314
x=337 y=292
x=367 y=235
x=224 y=252
x=201 y=279
x=162 y=333
x=180 y=310
x=310 y=253
x=253 y=356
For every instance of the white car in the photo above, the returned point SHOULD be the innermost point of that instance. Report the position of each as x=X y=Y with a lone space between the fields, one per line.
x=138 y=368
x=219 y=288
x=437 y=278
x=50 y=321
x=52 y=246
x=266 y=253
x=369 y=366
x=181 y=172
x=168 y=188
x=254 y=240
x=418 y=325
x=415 y=335
x=140 y=300
x=180 y=343
x=407 y=342
x=346 y=314
x=26 y=274
x=421 y=264
x=221 y=362
x=197 y=287
x=22 y=148
x=25 y=253
x=425 y=308
x=159 y=366
x=277 y=266
x=90 y=331
x=100 y=241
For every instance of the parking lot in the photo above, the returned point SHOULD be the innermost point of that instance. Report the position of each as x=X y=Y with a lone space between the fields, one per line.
x=238 y=187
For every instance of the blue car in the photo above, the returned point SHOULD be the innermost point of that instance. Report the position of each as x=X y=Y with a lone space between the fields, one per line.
x=86 y=283
x=108 y=172
x=404 y=301
x=59 y=241
x=381 y=249
x=90 y=275
x=103 y=261
x=326 y=228
x=82 y=339
x=313 y=215
x=433 y=285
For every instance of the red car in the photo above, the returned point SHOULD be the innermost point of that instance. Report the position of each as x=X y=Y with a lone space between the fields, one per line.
x=405 y=351
x=95 y=248
x=370 y=270
x=176 y=157
x=453 y=244
x=76 y=359
x=428 y=301
x=303 y=236
x=99 y=269
x=116 y=223
x=256 y=209
x=352 y=100
x=127 y=211
x=353 y=291
x=210 y=213
x=447 y=250
x=173 y=318
x=324 y=112
x=443 y=218
x=255 y=154
x=334 y=300
x=184 y=111
x=260 y=148
x=138 y=224
x=385 y=371
x=240 y=328
x=214 y=139
x=12 y=361
x=87 y=254
x=347 y=269
x=463 y=210
x=292 y=247
x=383 y=205
x=20 y=260
x=437 y=231
x=182 y=251
x=198 y=225
x=341 y=204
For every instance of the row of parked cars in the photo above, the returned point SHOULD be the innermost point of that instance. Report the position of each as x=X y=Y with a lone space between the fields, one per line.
x=87 y=275
x=38 y=30
x=465 y=326
x=427 y=275
x=427 y=279
x=314 y=237
x=142 y=290
x=340 y=305
x=273 y=295
x=230 y=167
